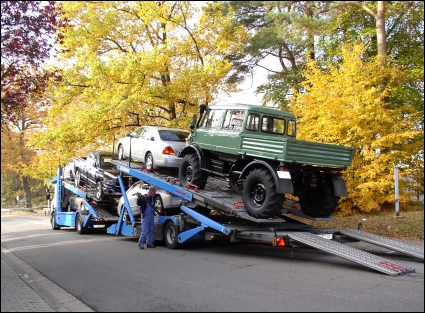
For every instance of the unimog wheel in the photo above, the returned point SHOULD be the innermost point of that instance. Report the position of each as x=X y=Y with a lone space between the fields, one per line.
x=320 y=202
x=259 y=194
x=190 y=172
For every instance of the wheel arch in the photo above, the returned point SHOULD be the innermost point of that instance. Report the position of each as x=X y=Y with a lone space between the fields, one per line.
x=282 y=185
x=194 y=148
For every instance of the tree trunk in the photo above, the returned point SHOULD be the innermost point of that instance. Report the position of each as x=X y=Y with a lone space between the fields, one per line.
x=27 y=191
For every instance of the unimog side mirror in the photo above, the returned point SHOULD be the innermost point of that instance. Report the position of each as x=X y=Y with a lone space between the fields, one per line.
x=202 y=108
x=192 y=125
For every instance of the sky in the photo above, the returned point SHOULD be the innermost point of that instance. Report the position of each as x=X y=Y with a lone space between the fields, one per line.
x=247 y=95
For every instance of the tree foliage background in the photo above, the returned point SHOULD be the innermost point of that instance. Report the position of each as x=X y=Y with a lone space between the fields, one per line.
x=351 y=70
x=27 y=40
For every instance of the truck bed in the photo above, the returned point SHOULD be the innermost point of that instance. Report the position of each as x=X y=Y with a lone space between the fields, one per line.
x=297 y=151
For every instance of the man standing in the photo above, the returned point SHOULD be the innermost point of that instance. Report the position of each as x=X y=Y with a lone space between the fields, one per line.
x=146 y=203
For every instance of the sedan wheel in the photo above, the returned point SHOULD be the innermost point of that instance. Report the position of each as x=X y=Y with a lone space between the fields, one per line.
x=149 y=161
x=121 y=153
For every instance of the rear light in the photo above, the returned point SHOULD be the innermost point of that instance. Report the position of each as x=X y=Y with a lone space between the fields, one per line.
x=279 y=242
x=283 y=169
x=340 y=174
x=168 y=150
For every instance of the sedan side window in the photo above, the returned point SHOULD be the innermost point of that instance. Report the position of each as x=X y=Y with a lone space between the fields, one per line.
x=139 y=131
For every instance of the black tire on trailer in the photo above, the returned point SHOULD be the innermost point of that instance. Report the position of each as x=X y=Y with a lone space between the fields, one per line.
x=190 y=172
x=149 y=161
x=171 y=233
x=158 y=204
x=319 y=202
x=53 y=221
x=99 y=191
x=235 y=184
x=79 y=225
x=121 y=155
x=259 y=194
x=77 y=181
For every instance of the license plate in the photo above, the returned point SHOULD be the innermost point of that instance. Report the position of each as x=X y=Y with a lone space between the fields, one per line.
x=98 y=226
x=325 y=236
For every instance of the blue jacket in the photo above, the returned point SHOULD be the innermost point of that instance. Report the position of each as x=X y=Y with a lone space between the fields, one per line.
x=142 y=202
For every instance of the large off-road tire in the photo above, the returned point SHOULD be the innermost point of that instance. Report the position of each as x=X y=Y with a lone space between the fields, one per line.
x=121 y=155
x=99 y=191
x=259 y=194
x=53 y=222
x=171 y=233
x=190 y=172
x=235 y=184
x=149 y=161
x=319 y=202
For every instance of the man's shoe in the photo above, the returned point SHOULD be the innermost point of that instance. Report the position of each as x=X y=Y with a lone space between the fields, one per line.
x=141 y=247
x=151 y=246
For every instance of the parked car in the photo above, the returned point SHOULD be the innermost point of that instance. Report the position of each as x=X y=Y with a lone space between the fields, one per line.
x=156 y=146
x=165 y=202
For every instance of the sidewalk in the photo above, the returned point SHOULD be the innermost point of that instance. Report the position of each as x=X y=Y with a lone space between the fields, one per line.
x=24 y=289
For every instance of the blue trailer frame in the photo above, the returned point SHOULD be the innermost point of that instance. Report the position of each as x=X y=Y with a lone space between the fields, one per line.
x=174 y=229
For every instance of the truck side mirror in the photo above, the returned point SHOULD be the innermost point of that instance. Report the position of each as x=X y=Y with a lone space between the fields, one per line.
x=192 y=125
x=202 y=108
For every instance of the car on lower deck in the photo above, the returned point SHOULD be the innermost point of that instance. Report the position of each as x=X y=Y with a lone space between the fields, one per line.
x=165 y=203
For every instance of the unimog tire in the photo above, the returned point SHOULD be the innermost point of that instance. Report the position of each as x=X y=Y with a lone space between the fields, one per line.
x=190 y=172
x=321 y=202
x=259 y=194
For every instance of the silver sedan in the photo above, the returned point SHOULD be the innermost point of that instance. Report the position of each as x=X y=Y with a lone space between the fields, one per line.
x=156 y=146
x=165 y=202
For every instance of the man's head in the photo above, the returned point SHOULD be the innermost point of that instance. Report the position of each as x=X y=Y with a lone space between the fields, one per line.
x=151 y=192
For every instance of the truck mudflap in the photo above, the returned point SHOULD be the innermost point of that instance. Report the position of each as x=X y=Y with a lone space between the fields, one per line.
x=340 y=188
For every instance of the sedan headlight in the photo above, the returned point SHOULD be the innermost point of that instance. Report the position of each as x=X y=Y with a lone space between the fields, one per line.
x=108 y=181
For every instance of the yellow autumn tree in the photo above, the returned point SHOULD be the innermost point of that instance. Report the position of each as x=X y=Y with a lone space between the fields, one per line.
x=131 y=63
x=343 y=104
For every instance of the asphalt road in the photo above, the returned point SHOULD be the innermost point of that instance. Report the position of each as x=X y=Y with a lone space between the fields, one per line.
x=110 y=273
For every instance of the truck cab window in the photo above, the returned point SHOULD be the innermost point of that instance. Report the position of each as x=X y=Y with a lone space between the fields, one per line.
x=212 y=118
x=292 y=128
x=273 y=125
x=252 y=121
x=234 y=119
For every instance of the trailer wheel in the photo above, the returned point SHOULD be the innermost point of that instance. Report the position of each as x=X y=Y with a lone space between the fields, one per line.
x=171 y=233
x=99 y=191
x=53 y=222
x=319 y=202
x=190 y=172
x=149 y=161
x=79 y=225
x=259 y=194
x=121 y=153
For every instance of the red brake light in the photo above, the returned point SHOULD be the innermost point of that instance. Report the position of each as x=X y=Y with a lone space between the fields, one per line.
x=340 y=174
x=168 y=150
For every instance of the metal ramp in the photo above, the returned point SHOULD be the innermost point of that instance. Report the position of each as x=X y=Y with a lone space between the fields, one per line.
x=367 y=259
x=391 y=244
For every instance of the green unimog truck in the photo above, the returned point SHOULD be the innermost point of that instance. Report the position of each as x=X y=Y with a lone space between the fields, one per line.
x=255 y=149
